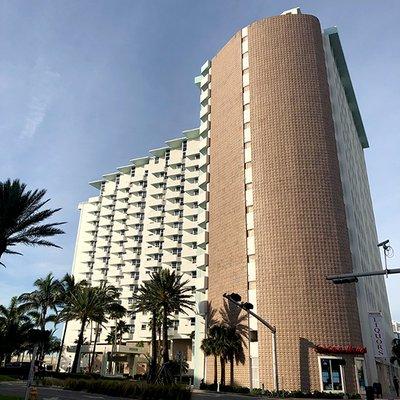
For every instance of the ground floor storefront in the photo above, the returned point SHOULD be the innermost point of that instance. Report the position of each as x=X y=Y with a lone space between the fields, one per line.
x=333 y=369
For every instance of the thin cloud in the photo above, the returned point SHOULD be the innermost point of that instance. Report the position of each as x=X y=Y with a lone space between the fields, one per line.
x=43 y=87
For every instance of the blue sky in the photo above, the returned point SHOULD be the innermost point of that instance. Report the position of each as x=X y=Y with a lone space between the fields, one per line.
x=86 y=86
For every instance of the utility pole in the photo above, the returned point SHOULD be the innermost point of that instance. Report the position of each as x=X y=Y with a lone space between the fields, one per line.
x=353 y=276
x=236 y=300
x=31 y=372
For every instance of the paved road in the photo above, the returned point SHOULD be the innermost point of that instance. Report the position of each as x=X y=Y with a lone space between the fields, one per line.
x=45 y=393
x=18 y=389
x=198 y=395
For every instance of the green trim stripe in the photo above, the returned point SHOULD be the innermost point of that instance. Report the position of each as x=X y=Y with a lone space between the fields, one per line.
x=341 y=65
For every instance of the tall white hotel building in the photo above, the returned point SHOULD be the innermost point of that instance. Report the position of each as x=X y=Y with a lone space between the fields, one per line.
x=151 y=214
x=266 y=198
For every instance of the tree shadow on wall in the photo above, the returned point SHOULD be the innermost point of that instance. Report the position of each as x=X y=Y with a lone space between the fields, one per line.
x=236 y=322
x=305 y=381
x=235 y=318
x=227 y=330
x=211 y=316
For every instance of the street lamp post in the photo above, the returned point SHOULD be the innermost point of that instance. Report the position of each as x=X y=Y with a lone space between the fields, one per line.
x=236 y=300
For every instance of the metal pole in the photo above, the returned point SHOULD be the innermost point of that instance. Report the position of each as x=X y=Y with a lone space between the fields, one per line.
x=385 y=257
x=362 y=274
x=275 y=363
x=250 y=359
x=31 y=372
x=204 y=357
x=114 y=349
x=273 y=331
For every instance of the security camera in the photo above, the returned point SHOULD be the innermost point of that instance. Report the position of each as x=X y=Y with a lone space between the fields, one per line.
x=383 y=244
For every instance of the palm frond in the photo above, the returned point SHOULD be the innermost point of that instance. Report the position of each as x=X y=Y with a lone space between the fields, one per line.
x=21 y=217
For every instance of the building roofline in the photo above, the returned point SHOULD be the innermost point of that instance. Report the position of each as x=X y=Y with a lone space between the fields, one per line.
x=140 y=161
x=96 y=184
x=125 y=168
x=175 y=143
x=111 y=176
x=158 y=152
x=191 y=133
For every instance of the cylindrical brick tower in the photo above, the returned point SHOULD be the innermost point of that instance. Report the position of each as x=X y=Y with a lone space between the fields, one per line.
x=277 y=219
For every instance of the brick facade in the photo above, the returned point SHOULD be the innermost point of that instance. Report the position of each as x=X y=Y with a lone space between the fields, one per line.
x=227 y=222
x=300 y=224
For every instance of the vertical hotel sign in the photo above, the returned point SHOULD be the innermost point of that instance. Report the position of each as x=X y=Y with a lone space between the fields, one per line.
x=378 y=335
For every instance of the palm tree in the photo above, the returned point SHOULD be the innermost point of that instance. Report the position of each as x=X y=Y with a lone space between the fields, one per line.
x=145 y=301
x=42 y=301
x=395 y=351
x=117 y=332
x=22 y=217
x=37 y=319
x=171 y=295
x=88 y=303
x=67 y=286
x=115 y=311
x=14 y=327
x=52 y=346
x=210 y=347
x=158 y=322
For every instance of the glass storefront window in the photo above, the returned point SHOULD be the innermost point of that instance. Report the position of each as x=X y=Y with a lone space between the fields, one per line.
x=359 y=364
x=331 y=374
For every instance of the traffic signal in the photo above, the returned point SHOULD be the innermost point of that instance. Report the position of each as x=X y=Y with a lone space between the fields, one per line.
x=235 y=297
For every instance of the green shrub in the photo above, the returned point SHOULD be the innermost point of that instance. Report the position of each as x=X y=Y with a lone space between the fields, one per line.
x=135 y=390
x=282 y=393
x=6 y=378
x=67 y=375
x=51 y=382
x=234 y=389
x=77 y=384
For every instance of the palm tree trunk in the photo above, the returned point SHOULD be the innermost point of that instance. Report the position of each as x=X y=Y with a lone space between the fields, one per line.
x=222 y=361
x=159 y=332
x=165 y=337
x=153 y=367
x=61 y=347
x=215 y=370
x=42 y=328
x=231 y=360
x=96 y=336
x=78 y=347
x=113 y=348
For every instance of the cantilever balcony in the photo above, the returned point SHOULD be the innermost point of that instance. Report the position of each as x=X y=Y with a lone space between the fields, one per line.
x=202 y=259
